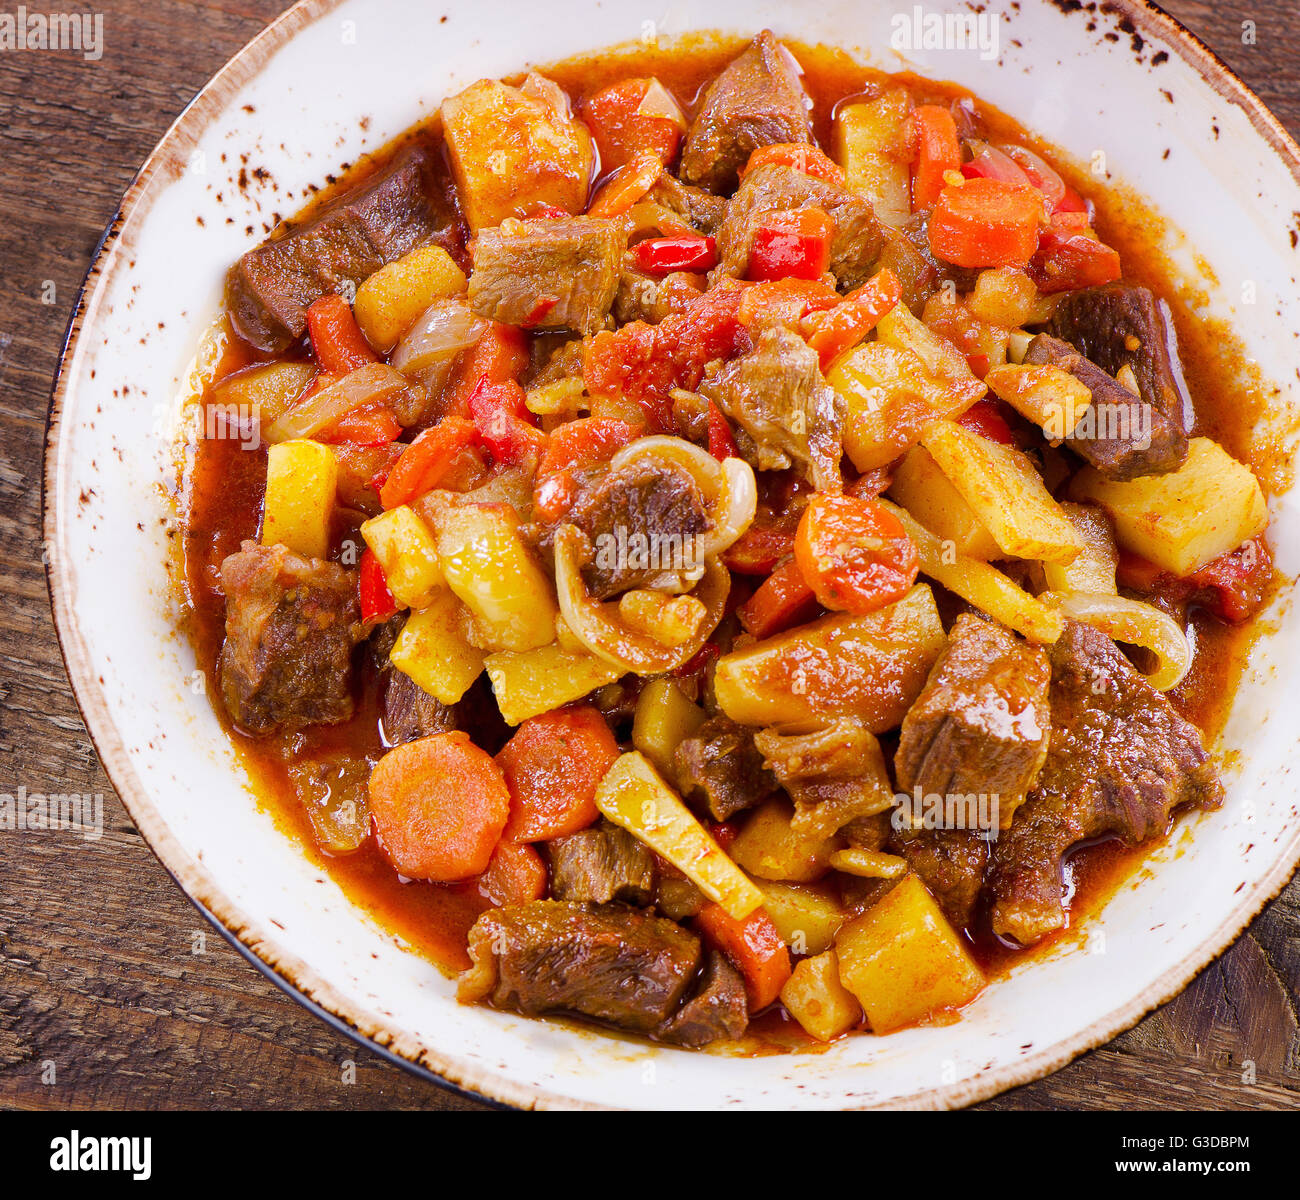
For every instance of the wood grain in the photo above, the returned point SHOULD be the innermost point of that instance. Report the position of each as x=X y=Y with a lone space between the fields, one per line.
x=104 y=1000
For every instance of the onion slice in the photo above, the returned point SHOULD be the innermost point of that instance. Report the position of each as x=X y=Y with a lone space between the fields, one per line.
x=371 y=382
x=729 y=488
x=441 y=332
x=658 y=102
x=1135 y=623
x=598 y=627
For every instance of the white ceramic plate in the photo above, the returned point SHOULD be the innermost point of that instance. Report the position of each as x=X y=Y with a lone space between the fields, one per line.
x=334 y=78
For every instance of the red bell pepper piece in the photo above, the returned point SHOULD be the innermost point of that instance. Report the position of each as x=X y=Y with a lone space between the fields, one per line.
x=1070 y=256
x=984 y=418
x=377 y=602
x=369 y=425
x=504 y=425
x=937 y=152
x=837 y=329
x=336 y=338
x=426 y=461
x=688 y=252
x=793 y=244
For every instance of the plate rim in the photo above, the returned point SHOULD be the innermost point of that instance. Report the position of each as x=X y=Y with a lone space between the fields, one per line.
x=294 y=976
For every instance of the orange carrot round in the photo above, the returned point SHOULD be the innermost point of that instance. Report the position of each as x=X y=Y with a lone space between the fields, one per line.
x=552 y=766
x=439 y=806
x=515 y=875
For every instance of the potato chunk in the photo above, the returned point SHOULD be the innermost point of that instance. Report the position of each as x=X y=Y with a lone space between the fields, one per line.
x=869 y=667
x=903 y=960
x=870 y=142
x=513 y=149
x=1185 y=519
x=815 y=997
x=533 y=682
x=805 y=915
x=389 y=302
x=301 y=481
x=407 y=553
x=769 y=847
x=433 y=650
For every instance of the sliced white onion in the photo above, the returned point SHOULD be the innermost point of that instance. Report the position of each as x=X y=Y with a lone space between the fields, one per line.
x=374 y=381
x=729 y=488
x=600 y=629
x=658 y=102
x=1135 y=623
x=1043 y=177
x=441 y=332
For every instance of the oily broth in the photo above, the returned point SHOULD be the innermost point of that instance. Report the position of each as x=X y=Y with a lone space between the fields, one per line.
x=224 y=484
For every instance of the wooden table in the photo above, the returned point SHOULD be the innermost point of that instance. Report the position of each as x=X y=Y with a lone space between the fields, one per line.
x=102 y=1002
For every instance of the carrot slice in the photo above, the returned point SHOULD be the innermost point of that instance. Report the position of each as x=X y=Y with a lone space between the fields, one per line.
x=515 y=875
x=754 y=947
x=336 y=338
x=426 y=461
x=986 y=223
x=552 y=767
x=854 y=553
x=439 y=806
x=782 y=599
x=937 y=152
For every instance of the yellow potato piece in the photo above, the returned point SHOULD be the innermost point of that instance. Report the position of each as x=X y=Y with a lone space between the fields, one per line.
x=301 y=480
x=903 y=961
x=408 y=554
x=815 y=997
x=536 y=681
x=388 y=303
x=432 y=649
x=806 y=916
x=1187 y=518
x=769 y=847
x=926 y=492
x=869 y=140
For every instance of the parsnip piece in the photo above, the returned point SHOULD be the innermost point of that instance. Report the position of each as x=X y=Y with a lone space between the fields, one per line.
x=634 y=796
x=1005 y=492
x=926 y=492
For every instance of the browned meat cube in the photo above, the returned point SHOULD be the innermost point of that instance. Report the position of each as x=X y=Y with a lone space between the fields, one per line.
x=702 y=210
x=1122 y=325
x=409 y=713
x=547 y=274
x=786 y=411
x=718 y=1009
x=981 y=723
x=1120 y=434
x=612 y=963
x=291 y=623
x=601 y=864
x=269 y=290
x=722 y=767
x=758 y=100
x=857 y=241
x=642 y=521
x=1121 y=761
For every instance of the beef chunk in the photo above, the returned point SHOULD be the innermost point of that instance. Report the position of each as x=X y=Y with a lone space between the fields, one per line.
x=757 y=101
x=1121 y=761
x=612 y=963
x=981 y=723
x=643 y=297
x=835 y=775
x=1122 y=325
x=721 y=766
x=409 y=712
x=642 y=522
x=786 y=411
x=291 y=623
x=855 y=245
x=718 y=1009
x=547 y=274
x=1120 y=434
x=269 y=290
x=702 y=210
x=601 y=864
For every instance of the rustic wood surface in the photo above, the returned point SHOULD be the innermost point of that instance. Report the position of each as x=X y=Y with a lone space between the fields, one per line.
x=102 y=1002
